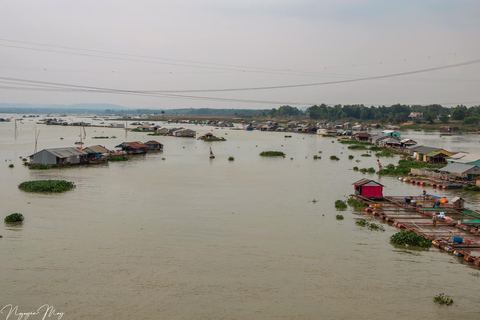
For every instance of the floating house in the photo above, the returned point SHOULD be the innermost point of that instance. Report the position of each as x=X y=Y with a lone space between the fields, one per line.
x=437 y=157
x=392 y=133
x=465 y=158
x=407 y=142
x=458 y=203
x=97 y=154
x=420 y=152
x=461 y=171
x=368 y=188
x=133 y=147
x=362 y=136
x=59 y=156
x=163 y=131
x=186 y=133
x=377 y=139
x=154 y=145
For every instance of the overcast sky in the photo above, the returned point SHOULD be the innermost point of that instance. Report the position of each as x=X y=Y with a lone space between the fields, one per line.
x=187 y=45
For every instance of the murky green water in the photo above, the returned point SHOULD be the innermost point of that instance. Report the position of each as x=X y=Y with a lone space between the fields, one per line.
x=194 y=238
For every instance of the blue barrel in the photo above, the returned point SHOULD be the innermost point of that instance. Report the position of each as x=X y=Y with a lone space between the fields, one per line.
x=457 y=239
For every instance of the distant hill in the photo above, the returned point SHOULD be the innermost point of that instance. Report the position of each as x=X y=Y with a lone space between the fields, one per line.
x=89 y=106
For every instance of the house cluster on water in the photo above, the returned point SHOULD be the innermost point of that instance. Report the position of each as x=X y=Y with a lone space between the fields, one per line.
x=174 y=132
x=90 y=155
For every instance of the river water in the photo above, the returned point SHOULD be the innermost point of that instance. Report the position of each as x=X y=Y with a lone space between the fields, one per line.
x=192 y=238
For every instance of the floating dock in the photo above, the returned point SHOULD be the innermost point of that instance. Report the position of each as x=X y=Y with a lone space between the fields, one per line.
x=457 y=233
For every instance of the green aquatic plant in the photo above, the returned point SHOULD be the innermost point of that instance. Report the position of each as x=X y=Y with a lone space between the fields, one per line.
x=340 y=204
x=272 y=154
x=355 y=168
x=315 y=157
x=365 y=155
x=369 y=225
x=350 y=157
x=339 y=217
x=11 y=166
x=410 y=238
x=118 y=158
x=334 y=158
x=353 y=202
x=39 y=166
x=443 y=299
x=52 y=186
x=357 y=147
x=231 y=158
x=14 y=217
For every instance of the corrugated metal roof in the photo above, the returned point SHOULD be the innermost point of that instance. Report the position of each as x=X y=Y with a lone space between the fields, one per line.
x=96 y=149
x=365 y=181
x=362 y=134
x=463 y=157
x=65 y=152
x=457 y=168
x=134 y=145
x=424 y=150
x=153 y=142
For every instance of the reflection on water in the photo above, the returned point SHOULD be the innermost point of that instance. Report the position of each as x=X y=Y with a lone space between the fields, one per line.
x=190 y=238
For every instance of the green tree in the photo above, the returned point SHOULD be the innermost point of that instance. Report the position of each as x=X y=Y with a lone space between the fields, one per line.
x=459 y=113
x=430 y=117
x=444 y=118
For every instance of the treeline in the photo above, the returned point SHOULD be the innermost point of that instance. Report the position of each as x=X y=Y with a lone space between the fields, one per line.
x=396 y=113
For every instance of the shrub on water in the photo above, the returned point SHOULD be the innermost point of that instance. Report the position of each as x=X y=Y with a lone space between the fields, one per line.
x=443 y=299
x=339 y=217
x=272 y=154
x=350 y=157
x=52 y=186
x=410 y=238
x=340 y=204
x=10 y=165
x=365 y=155
x=231 y=158
x=355 y=168
x=14 y=217
x=118 y=158
x=334 y=158
x=39 y=167
x=357 y=147
x=371 y=170
x=356 y=203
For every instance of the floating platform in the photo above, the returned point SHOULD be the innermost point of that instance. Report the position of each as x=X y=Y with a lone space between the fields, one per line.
x=458 y=233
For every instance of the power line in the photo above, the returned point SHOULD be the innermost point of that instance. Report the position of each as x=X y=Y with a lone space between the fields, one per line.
x=191 y=63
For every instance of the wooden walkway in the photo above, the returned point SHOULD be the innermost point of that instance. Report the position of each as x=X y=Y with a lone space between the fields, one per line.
x=419 y=220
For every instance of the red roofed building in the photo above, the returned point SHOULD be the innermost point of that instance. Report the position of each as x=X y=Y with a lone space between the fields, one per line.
x=133 y=147
x=368 y=188
x=362 y=136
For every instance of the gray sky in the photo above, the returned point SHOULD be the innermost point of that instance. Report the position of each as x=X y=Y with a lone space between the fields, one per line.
x=183 y=45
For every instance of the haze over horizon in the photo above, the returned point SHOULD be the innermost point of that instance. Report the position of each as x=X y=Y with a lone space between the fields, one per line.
x=175 y=54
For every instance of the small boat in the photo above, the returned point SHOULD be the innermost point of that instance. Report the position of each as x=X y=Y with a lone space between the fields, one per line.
x=212 y=156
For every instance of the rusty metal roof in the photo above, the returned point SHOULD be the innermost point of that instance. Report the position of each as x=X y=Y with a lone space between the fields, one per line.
x=153 y=142
x=134 y=145
x=96 y=149
x=365 y=181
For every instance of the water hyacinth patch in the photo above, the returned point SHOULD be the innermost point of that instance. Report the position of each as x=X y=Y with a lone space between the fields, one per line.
x=51 y=186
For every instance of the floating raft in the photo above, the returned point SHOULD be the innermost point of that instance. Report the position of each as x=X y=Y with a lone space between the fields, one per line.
x=434 y=184
x=458 y=233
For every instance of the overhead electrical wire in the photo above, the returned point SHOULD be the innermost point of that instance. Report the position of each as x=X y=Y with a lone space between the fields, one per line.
x=191 y=63
x=168 y=93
